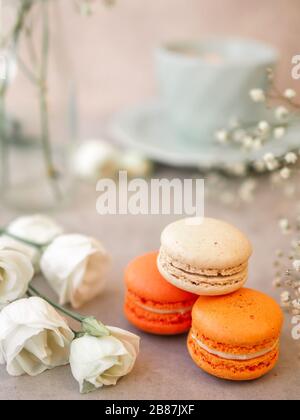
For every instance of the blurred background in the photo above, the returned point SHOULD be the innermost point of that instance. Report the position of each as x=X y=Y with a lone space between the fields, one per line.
x=113 y=50
x=78 y=63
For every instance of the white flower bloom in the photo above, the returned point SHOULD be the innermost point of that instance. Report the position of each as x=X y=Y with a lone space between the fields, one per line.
x=291 y=158
x=279 y=132
x=257 y=95
x=76 y=267
x=296 y=265
x=33 y=337
x=264 y=127
x=16 y=272
x=290 y=94
x=296 y=304
x=257 y=144
x=259 y=166
x=268 y=157
x=222 y=136
x=239 y=135
x=248 y=142
x=38 y=229
x=98 y=362
x=285 y=173
x=135 y=165
x=285 y=297
x=95 y=159
x=284 y=225
x=282 y=113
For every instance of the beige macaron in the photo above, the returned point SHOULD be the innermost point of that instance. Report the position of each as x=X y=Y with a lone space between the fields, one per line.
x=204 y=256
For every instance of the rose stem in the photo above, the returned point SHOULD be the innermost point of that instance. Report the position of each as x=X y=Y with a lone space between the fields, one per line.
x=25 y=241
x=79 y=318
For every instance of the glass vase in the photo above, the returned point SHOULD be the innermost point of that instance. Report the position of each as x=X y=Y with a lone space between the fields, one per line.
x=37 y=106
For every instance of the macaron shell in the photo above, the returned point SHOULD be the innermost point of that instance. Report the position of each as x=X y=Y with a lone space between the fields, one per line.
x=232 y=369
x=143 y=278
x=171 y=324
x=244 y=318
x=152 y=304
x=201 y=285
x=206 y=243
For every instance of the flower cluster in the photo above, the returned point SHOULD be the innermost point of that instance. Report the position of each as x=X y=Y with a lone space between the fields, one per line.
x=33 y=336
x=288 y=274
x=252 y=136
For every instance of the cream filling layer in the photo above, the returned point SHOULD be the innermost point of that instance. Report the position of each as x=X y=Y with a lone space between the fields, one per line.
x=165 y=311
x=229 y=356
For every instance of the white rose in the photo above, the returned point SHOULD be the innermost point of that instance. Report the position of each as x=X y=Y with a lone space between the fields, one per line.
x=135 y=164
x=38 y=229
x=98 y=362
x=33 y=337
x=16 y=272
x=76 y=267
x=95 y=159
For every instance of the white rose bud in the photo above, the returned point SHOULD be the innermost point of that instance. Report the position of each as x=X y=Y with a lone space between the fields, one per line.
x=95 y=159
x=16 y=272
x=33 y=337
x=102 y=361
x=37 y=229
x=258 y=95
x=76 y=267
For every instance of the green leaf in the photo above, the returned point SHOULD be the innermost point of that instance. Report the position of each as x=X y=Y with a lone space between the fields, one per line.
x=87 y=388
x=94 y=328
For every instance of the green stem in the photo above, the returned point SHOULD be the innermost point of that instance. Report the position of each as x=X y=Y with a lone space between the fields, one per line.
x=70 y=314
x=25 y=241
x=47 y=150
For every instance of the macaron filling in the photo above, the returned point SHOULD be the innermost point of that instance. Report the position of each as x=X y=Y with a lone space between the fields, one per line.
x=167 y=259
x=206 y=279
x=180 y=311
x=229 y=356
x=160 y=308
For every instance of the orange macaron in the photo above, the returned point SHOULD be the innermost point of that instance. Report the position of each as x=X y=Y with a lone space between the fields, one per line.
x=152 y=304
x=236 y=337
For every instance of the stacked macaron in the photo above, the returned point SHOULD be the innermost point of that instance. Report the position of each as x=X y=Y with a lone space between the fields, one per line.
x=206 y=257
x=152 y=304
x=234 y=332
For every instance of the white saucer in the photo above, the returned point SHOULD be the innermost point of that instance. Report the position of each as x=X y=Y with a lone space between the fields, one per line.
x=146 y=130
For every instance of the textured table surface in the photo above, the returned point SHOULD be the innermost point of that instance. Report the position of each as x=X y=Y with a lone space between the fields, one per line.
x=164 y=369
